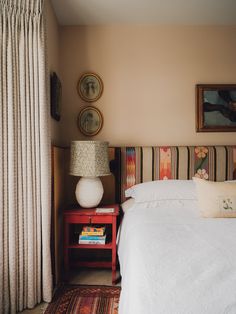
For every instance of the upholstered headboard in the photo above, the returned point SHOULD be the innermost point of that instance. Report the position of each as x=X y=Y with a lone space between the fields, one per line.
x=141 y=164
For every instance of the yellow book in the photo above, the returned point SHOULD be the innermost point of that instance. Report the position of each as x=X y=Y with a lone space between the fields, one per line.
x=94 y=233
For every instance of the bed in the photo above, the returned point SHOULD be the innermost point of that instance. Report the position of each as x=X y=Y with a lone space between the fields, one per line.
x=172 y=260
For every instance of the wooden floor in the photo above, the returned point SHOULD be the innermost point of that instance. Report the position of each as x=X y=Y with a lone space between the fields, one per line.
x=83 y=277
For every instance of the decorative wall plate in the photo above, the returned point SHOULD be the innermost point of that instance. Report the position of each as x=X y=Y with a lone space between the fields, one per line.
x=90 y=87
x=90 y=121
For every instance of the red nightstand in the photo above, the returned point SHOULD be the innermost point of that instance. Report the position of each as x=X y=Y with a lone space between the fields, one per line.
x=87 y=217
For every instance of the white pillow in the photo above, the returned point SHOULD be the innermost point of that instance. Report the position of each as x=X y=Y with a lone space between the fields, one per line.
x=127 y=205
x=163 y=190
x=216 y=199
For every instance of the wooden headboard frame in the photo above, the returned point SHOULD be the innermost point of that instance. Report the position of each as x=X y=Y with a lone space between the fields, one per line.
x=141 y=164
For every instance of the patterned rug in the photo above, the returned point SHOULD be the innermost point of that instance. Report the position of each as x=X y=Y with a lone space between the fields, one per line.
x=74 y=299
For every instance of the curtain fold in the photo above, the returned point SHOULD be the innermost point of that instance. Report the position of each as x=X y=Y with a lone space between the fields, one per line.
x=25 y=196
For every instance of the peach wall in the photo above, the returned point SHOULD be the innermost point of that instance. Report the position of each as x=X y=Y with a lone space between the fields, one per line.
x=149 y=75
x=53 y=58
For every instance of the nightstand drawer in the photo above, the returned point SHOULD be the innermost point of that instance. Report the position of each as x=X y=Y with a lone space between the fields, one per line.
x=77 y=219
x=101 y=219
x=86 y=219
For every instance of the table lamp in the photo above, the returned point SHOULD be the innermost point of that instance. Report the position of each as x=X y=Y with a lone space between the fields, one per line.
x=89 y=160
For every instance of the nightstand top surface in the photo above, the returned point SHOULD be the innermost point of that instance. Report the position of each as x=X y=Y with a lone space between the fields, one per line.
x=76 y=210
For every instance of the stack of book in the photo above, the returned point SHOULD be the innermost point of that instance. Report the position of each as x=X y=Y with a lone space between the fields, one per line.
x=92 y=235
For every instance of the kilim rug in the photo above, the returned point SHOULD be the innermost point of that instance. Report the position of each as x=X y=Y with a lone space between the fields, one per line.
x=74 y=299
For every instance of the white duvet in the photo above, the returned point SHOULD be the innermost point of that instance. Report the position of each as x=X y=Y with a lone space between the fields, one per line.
x=174 y=262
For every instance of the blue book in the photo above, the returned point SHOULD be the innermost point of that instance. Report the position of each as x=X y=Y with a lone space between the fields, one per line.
x=85 y=237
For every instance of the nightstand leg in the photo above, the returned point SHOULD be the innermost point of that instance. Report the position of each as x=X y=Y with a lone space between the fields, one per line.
x=66 y=250
x=114 y=250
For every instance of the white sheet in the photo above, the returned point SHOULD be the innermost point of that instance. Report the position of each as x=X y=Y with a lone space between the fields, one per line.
x=174 y=262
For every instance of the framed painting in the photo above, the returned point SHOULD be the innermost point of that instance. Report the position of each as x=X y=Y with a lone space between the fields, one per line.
x=55 y=96
x=90 y=121
x=216 y=108
x=90 y=87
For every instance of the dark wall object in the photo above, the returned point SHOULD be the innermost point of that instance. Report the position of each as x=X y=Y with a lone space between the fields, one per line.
x=55 y=96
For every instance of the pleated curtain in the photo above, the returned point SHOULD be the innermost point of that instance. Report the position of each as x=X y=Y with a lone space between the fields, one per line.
x=25 y=262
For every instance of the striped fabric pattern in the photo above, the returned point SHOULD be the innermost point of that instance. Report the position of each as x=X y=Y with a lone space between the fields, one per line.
x=85 y=300
x=142 y=164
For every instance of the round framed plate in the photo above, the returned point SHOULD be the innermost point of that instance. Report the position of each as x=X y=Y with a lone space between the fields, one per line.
x=90 y=87
x=90 y=121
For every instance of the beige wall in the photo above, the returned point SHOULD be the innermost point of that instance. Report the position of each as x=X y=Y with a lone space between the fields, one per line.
x=149 y=75
x=53 y=58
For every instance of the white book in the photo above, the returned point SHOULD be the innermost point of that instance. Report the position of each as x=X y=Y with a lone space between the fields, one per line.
x=92 y=241
x=103 y=210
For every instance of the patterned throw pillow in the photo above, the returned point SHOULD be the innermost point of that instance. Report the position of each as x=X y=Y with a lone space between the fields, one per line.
x=216 y=199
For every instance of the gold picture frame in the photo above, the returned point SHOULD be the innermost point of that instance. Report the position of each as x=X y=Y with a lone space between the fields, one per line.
x=90 y=87
x=90 y=121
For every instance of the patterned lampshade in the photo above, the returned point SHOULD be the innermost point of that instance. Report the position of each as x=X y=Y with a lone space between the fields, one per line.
x=89 y=159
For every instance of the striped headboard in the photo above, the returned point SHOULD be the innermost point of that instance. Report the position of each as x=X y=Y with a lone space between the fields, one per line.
x=142 y=164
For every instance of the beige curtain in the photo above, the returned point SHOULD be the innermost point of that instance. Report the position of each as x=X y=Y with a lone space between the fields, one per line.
x=25 y=262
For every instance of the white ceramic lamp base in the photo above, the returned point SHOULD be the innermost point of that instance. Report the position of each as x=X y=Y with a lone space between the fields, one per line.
x=89 y=192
